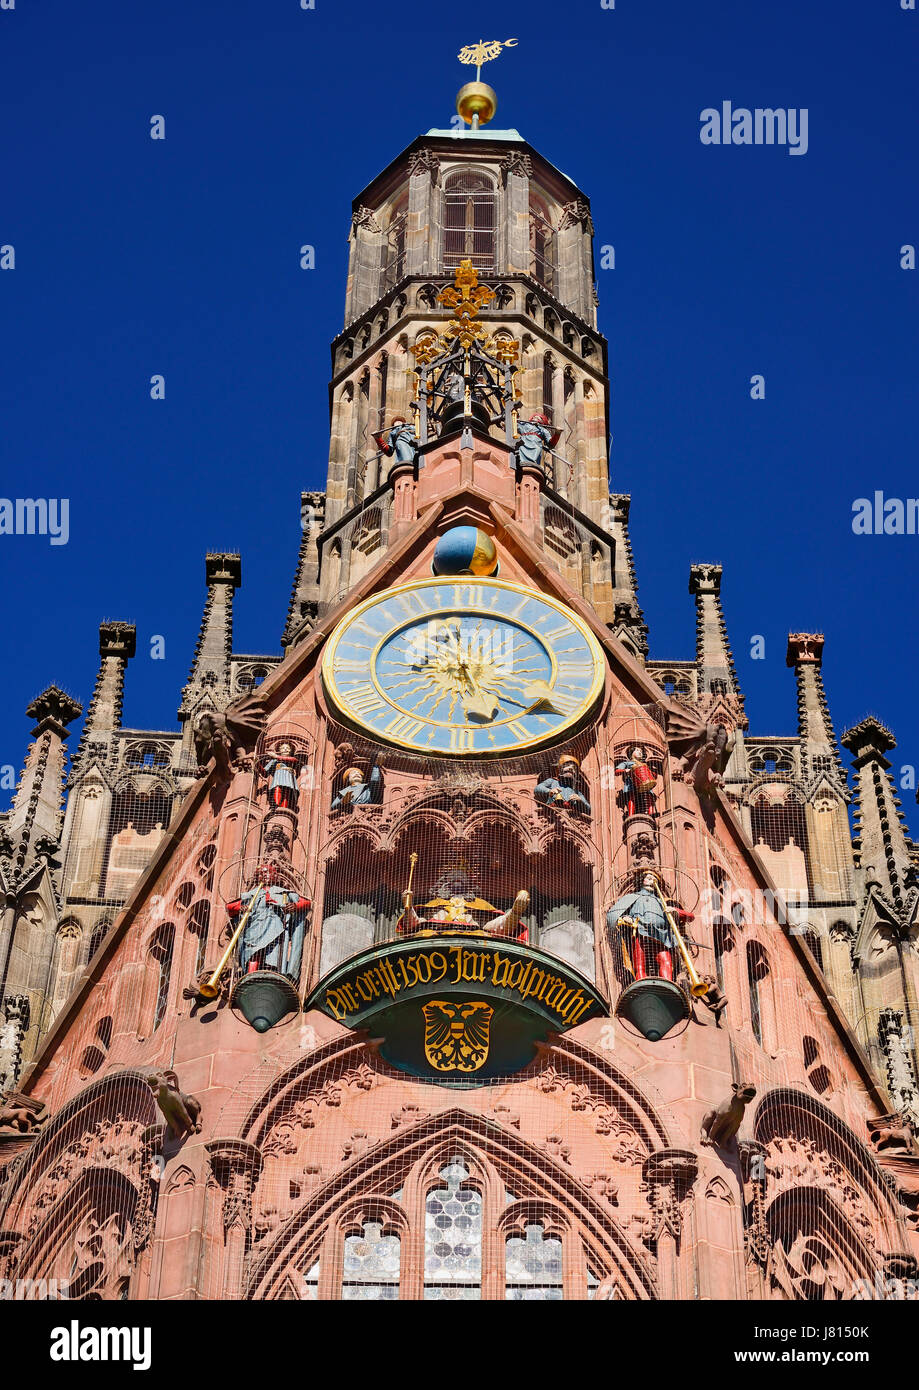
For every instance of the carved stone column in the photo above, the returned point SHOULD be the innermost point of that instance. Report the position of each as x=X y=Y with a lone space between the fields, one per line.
x=757 y=1241
x=669 y=1175
x=235 y=1166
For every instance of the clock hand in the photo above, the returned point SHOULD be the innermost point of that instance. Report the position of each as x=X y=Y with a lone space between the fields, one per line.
x=481 y=705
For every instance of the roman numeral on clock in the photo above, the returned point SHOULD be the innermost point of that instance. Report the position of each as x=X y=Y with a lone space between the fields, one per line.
x=403 y=727
x=462 y=740
x=363 y=699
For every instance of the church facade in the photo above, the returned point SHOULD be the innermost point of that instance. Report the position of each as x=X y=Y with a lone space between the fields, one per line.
x=466 y=951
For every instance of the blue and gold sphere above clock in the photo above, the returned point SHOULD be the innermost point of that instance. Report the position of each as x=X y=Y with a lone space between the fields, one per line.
x=463 y=667
x=465 y=550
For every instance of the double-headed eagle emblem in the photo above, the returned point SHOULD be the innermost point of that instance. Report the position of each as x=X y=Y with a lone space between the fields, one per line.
x=457 y=1035
x=483 y=51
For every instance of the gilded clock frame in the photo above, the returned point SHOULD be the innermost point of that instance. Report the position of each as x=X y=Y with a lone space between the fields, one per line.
x=339 y=700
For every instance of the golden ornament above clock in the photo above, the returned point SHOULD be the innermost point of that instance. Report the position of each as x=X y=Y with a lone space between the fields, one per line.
x=463 y=667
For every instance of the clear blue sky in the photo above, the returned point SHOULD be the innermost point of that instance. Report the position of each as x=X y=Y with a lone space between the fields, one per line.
x=180 y=257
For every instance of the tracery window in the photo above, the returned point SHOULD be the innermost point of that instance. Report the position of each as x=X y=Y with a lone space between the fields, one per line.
x=371 y=1269
x=161 y=949
x=469 y=221
x=453 y=1237
x=533 y=1266
x=757 y=971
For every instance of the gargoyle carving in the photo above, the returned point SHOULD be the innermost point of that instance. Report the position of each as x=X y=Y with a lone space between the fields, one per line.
x=180 y=1111
x=228 y=737
x=720 y=1126
x=704 y=748
x=20 y=1114
x=892 y=1134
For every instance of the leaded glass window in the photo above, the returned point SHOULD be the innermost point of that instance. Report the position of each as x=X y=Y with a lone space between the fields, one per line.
x=371 y=1264
x=453 y=1237
x=533 y=1266
x=309 y=1283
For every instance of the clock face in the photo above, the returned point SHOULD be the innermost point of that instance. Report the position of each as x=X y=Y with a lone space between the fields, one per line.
x=463 y=667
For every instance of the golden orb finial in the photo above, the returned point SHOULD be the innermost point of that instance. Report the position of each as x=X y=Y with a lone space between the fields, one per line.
x=476 y=102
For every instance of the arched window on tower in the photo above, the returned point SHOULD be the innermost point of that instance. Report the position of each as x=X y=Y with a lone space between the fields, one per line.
x=757 y=973
x=161 y=951
x=543 y=262
x=394 y=268
x=548 y=379
x=469 y=221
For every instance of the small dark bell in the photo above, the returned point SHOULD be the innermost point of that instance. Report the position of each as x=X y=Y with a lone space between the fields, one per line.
x=653 y=1007
x=263 y=998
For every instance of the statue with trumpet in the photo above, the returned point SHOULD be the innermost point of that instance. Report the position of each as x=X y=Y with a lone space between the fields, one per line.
x=649 y=932
x=268 y=934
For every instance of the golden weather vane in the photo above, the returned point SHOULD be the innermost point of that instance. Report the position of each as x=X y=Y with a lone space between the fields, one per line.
x=483 y=52
x=476 y=101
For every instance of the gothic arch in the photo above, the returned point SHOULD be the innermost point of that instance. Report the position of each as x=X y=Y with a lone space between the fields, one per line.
x=499 y=1155
x=123 y=1097
x=804 y=1124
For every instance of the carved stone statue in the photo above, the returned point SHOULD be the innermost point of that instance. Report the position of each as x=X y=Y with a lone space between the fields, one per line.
x=720 y=1126
x=560 y=789
x=648 y=939
x=273 y=935
x=281 y=767
x=533 y=436
x=399 y=440
x=358 y=790
x=715 y=1000
x=227 y=737
x=638 y=784
x=180 y=1111
x=704 y=748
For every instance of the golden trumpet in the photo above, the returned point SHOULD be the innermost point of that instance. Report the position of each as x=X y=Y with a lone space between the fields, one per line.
x=211 y=988
x=697 y=985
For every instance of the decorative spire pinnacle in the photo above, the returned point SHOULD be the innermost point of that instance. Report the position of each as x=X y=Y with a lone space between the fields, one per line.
x=476 y=102
x=117 y=644
x=209 y=679
x=717 y=676
x=34 y=823
x=881 y=841
x=815 y=727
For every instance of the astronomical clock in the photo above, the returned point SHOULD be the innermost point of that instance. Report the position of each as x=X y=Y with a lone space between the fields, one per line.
x=473 y=667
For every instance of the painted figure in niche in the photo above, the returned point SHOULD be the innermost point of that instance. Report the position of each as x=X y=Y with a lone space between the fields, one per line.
x=560 y=789
x=533 y=436
x=358 y=790
x=456 y=913
x=273 y=935
x=639 y=917
x=639 y=782
x=399 y=440
x=281 y=768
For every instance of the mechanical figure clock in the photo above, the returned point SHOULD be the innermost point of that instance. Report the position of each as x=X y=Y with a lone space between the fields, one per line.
x=463 y=667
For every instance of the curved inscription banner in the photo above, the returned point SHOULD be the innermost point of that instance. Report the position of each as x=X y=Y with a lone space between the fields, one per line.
x=457 y=1008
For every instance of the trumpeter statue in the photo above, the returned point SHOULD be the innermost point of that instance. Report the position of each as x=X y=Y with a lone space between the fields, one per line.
x=272 y=938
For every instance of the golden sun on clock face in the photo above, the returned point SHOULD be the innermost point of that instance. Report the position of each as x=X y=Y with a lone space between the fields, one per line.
x=463 y=667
